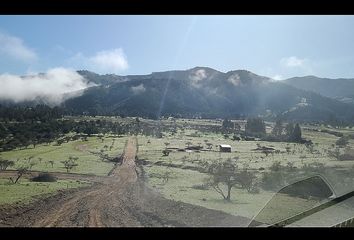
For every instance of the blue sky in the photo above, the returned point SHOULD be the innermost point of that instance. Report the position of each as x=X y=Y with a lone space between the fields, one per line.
x=276 y=46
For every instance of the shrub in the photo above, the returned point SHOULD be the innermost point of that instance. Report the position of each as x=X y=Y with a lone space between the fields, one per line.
x=275 y=166
x=166 y=152
x=44 y=177
x=342 y=142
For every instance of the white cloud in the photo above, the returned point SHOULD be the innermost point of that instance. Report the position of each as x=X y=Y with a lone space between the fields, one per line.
x=234 y=79
x=107 y=61
x=14 y=47
x=138 y=89
x=198 y=75
x=292 y=62
x=54 y=86
x=277 y=77
x=114 y=60
x=294 y=66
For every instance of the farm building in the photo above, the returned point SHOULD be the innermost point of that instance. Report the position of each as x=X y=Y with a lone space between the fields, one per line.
x=224 y=148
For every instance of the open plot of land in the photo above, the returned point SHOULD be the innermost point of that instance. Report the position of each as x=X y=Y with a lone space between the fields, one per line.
x=26 y=191
x=177 y=177
x=88 y=163
x=161 y=190
x=120 y=200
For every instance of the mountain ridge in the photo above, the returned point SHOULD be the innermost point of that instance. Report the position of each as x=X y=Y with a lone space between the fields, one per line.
x=206 y=92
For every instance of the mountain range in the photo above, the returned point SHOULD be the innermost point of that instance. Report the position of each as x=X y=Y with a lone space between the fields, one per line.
x=205 y=92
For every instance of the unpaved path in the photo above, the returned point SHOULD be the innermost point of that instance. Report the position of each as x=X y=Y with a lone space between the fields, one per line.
x=119 y=200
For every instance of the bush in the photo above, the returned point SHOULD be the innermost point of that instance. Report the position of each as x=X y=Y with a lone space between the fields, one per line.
x=166 y=152
x=276 y=166
x=342 y=142
x=44 y=177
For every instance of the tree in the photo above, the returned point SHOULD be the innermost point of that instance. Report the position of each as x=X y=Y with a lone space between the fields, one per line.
x=69 y=164
x=4 y=164
x=166 y=152
x=227 y=126
x=335 y=153
x=237 y=127
x=31 y=165
x=255 y=126
x=289 y=130
x=278 y=128
x=222 y=173
x=296 y=134
x=209 y=145
x=20 y=171
x=246 y=180
x=51 y=163
x=288 y=149
x=342 y=142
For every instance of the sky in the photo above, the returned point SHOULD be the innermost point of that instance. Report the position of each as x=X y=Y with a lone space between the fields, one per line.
x=279 y=47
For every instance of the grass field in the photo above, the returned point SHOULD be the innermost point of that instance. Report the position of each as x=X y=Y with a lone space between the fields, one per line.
x=182 y=182
x=26 y=191
x=88 y=163
x=172 y=175
x=181 y=187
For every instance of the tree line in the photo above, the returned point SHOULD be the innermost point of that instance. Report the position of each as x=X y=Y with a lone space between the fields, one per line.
x=256 y=128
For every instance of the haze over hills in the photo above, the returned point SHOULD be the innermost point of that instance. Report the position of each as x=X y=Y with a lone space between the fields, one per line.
x=341 y=88
x=204 y=92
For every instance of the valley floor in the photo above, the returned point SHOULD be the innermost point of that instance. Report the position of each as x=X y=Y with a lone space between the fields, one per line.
x=121 y=199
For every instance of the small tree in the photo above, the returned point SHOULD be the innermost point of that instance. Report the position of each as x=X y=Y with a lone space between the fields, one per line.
x=222 y=173
x=342 y=142
x=278 y=128
x=69 y=164
x=288 y=149
x=209 y=145
x=188 y=144
x=4 y=164
x=247 y=180
x=165 y=152
x=335 y=153
x=289 y=130
x=227 y=126
x=20 y=171
x=51 y=163
x=31 y=165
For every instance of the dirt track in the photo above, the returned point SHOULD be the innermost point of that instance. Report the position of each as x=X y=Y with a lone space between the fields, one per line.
x=120 y=200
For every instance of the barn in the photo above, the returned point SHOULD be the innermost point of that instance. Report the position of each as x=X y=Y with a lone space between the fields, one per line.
x=224 y=148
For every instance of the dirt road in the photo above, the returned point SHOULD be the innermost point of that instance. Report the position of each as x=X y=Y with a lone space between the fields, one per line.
x=119 y=200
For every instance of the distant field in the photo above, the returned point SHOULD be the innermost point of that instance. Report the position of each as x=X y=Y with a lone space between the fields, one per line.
x=25 y=191
x=88 y=163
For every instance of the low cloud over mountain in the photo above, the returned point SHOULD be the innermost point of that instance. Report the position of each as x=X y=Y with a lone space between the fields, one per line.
x=51 y=87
